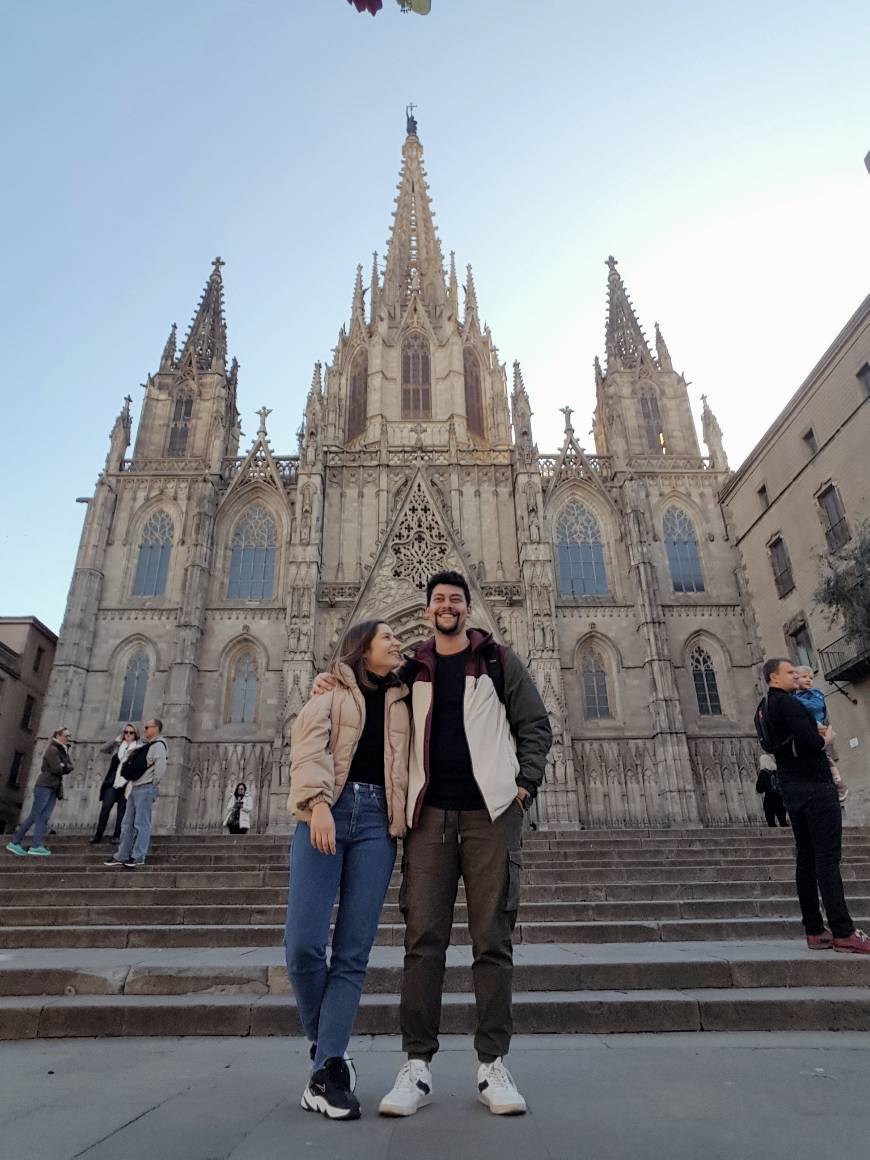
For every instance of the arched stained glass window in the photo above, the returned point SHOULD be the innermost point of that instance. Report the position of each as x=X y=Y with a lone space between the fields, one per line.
x=596 y=704
x=706 y=688
x=243 y=693
x=252 y=559
x=155 y=548
x=681 y=546
x=651 y=421
x=135 y=684
x=182 y=410
x=580 y=553
x=473 y=396
x=357 y=394
x=416 y=384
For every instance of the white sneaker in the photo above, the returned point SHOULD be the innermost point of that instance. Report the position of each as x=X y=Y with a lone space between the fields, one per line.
x=496 y=1089
x=412 y=1090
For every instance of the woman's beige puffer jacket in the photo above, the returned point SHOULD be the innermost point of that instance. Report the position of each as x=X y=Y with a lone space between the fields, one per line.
x=323 y=741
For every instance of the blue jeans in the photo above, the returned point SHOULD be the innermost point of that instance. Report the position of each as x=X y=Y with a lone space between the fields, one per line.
x=327 y=996
x=136 y=828
x=44 y=801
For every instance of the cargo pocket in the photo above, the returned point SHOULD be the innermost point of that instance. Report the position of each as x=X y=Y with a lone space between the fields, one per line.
x=515 y=865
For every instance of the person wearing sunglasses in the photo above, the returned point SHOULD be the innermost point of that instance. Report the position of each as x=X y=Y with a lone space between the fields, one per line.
x=113 y=791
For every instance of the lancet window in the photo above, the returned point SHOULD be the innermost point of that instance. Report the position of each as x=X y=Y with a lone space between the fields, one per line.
x=706 y=686
x=416 y=381
x=357 y=394
x=681 y=546
x=134 y=687
x=155 y=548
x=580 y=552
x=179 y=427
x=252 y=556
x=473 y=395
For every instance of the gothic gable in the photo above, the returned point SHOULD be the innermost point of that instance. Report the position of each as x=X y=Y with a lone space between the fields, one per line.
x=418 y=542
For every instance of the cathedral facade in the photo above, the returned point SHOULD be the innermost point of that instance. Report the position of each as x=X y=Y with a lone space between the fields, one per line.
x=213 y=581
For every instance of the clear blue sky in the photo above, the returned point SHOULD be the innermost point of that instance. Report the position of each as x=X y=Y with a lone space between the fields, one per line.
x=717 y=152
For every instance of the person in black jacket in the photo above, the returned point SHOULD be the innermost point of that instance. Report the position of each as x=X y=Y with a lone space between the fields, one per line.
x=799 y=745
x=113 y=791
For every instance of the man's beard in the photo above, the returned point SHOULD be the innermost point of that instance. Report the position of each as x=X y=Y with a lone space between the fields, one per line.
x=450 y=630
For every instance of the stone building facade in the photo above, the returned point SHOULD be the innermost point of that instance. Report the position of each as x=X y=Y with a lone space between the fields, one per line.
x=26 y=654
x=211 y=584
x=799 y=496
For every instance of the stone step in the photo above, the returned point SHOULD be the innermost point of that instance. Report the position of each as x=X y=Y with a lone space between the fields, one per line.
x=611 y=967
x=264 y=935
x=137 y=891
x=124 y=913
x=551 y=1013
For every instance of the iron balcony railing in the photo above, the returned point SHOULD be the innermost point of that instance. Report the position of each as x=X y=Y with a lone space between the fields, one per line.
x=846 y=659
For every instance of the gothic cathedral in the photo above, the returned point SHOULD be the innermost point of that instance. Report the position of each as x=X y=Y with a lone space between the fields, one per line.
x=211 y=585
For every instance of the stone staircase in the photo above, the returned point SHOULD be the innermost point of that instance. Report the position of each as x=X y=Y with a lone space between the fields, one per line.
x=617 y=931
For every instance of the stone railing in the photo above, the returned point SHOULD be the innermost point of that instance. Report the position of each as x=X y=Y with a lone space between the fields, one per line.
x=574 y=468
x=337 y=593
x=164 y=466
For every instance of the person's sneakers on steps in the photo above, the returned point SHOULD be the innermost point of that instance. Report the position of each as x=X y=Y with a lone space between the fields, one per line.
x=328 y=1092
x=496 y=1089
x=16 y=849
x=820 y=942
x=858 y=943
x=40 y=851
x=348 y=1065
x=412 y=1090
x=113 y=862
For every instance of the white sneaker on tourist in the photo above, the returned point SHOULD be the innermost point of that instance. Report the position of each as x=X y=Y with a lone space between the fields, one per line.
x=412 y=1090
x=496 y=1089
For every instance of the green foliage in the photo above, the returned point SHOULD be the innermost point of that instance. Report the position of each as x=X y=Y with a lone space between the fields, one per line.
x=843 y=592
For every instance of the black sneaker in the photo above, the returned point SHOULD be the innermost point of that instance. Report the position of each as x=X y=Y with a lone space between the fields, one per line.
x=350 y=1070
x=328 y=1092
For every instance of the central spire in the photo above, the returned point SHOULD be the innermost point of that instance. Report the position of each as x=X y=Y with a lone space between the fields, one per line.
x=626 y=343
x=414 y=261
x=205 y=347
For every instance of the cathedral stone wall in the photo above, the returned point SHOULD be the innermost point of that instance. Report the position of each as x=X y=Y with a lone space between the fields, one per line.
x=212 y=585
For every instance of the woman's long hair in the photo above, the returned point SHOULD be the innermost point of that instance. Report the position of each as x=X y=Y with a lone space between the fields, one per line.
x=241 y=786
x=352 y=649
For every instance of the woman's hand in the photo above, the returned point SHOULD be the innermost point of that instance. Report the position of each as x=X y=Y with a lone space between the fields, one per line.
x=322 y=827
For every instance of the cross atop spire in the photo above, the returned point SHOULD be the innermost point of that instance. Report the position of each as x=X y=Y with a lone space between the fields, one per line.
x=414 y=257
x=264 y=413
x=626 y=343
x=205 y=347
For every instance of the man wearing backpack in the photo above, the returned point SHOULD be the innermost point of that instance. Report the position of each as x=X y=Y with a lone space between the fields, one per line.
x=143 y=769
x=480 y=740
x=788 y=731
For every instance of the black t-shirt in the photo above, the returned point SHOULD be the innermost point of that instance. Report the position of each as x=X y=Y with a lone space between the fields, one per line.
x=451 y=778
x=368 y=760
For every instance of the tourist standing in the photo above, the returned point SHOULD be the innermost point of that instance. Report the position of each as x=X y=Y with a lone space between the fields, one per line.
x=113 y=791
x=237 y=809
x=56 y=765
x=788 y=731
x=143 y=768
x=348 y=788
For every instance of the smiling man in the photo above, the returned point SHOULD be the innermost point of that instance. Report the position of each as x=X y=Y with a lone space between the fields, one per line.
x=479 y=748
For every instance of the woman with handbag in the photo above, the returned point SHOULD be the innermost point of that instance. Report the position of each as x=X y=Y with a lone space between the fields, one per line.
x=348 y=789
x=113 y=791
x=237 y=810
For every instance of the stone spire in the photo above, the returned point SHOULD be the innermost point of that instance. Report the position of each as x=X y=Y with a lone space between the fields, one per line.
x=713 y=437
x=625 y=341
x=167 y=360
x=453 y=287
x=357 y=308
x=119 y=440
x=374 y=289
x=521 y=416
x=205 y=347
x=414 y=258
x=470 y=297
x=663 y=355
